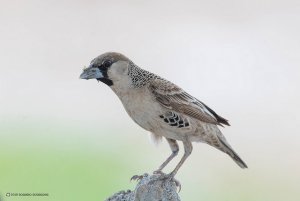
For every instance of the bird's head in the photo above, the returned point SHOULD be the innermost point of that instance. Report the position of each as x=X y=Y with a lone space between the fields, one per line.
x=108 y=68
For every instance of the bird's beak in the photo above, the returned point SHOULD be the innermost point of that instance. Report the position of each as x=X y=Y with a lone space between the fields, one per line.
x=91 y=73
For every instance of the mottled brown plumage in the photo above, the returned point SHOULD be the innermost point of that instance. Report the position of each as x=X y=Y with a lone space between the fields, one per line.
x=161 y=107
x=174 y=98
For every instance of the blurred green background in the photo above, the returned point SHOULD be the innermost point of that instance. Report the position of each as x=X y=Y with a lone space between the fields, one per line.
x=72 y=138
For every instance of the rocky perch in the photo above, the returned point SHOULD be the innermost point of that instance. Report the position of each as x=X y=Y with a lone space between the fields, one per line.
x=149 y=188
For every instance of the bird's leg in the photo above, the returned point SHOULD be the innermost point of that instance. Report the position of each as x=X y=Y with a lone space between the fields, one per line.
x=188 y=147
x=175 y=149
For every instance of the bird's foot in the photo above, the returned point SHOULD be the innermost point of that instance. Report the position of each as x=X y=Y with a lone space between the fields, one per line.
x=167 y=177
x=138 y=177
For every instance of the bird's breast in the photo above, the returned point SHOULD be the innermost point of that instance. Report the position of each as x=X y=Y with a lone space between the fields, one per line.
x=141 y=107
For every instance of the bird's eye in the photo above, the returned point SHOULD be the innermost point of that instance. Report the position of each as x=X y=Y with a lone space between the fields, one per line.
x=107 y=63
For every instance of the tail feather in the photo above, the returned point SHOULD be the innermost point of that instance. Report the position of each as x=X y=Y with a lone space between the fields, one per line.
x=232 y=153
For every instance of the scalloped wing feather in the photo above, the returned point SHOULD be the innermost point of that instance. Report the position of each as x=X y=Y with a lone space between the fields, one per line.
x=173 y=97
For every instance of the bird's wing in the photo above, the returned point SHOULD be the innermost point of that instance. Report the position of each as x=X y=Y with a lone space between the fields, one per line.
x=173 y=97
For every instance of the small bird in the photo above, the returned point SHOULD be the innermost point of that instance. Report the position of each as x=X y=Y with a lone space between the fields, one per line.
x=161 y=107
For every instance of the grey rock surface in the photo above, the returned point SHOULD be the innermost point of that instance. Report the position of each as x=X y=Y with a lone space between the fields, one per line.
x=149 y=188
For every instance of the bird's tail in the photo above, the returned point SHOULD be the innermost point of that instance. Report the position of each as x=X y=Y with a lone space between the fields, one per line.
x=228 y=150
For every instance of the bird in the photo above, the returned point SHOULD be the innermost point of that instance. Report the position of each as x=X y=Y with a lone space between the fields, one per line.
x=161 y=107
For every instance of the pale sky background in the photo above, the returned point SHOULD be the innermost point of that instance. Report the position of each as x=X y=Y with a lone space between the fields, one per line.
x=242 y=58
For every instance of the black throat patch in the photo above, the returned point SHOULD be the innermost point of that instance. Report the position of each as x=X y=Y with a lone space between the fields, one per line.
x=105 y=78
x=106 y=81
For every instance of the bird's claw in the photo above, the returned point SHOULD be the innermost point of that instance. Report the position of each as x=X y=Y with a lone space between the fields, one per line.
x=167 y=177
x=171 y=177
x=138 y=177
x=177 y=183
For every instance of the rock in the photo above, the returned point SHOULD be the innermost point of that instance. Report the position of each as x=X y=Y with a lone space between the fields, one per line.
x=149 y=188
